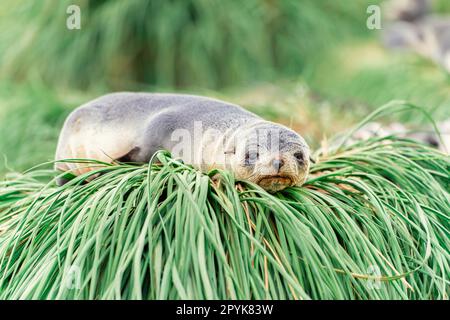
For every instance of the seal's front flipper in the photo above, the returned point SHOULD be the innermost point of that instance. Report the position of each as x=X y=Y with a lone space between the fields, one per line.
x=131 y=156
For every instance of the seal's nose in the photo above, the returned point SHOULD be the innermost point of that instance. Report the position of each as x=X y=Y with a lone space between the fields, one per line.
x=277 y=164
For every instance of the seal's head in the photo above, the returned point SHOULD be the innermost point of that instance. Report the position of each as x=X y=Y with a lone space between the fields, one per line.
x=270 y=155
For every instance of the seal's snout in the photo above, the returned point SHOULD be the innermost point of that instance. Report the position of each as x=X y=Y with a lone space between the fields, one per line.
x=284 y=170
x=277 y=164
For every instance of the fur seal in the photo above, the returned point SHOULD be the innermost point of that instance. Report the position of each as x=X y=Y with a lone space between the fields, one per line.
x=204 y=132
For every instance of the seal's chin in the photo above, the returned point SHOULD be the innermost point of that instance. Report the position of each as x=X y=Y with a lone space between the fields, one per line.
x=275 y=183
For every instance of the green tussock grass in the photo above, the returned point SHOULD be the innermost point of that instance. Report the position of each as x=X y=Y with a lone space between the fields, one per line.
x=167 y=231
x=372 y=222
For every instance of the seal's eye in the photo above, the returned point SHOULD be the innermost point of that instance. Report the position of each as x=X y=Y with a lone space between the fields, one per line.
x=251 y=157
x=299 y=157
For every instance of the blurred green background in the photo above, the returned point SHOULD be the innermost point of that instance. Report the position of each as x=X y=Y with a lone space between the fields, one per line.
x=310 y=64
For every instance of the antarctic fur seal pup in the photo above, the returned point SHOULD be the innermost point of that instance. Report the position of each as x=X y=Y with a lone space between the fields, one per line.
x=204 y=132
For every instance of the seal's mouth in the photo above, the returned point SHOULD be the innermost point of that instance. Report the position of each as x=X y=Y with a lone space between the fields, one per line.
x=275 y=183
x=275 y=180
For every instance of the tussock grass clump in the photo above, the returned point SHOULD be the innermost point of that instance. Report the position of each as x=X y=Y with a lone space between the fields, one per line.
x=372 y=222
